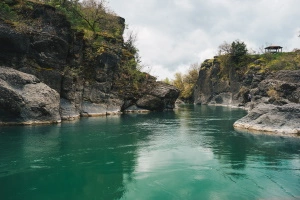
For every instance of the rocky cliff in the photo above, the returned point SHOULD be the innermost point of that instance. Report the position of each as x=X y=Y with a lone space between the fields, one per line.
x=271 y=96
x=51 y=71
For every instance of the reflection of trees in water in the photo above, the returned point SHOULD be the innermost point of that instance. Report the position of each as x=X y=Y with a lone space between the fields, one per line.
x=216 y=132
x=94 y=158
x=88 y=159
x=110 y=156
x=235 y=147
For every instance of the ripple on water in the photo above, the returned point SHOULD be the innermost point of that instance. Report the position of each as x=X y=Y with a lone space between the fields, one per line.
x=193 y=153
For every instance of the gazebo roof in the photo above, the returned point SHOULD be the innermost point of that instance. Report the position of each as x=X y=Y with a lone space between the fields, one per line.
x=273 y=47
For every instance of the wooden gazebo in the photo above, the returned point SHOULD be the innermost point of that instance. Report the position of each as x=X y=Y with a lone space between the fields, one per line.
x=273 y=49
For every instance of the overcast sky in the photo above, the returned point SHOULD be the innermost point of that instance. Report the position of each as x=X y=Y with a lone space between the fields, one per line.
x=173 y=34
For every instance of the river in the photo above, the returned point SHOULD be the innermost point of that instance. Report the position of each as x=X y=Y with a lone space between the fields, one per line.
x=189 y=153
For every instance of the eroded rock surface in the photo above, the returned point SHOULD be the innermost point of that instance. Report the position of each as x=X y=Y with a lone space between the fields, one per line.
x=271 y=98
x=268 y=118
x=88 y=76
x=160 y=96
x=25 y=100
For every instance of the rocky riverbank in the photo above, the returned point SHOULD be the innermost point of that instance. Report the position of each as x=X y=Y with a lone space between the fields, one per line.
x=271 y=97
x=271 y=119
x=51 y=71
x=275 y=108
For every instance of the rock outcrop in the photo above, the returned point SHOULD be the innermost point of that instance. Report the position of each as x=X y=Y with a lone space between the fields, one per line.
x=276 y=105
x=161 y=96
x=86 y=77
x=271 y=98
x=272 y=119
x=25 y=100
x=213 y=89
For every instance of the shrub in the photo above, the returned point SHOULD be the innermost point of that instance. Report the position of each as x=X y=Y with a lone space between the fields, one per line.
x=273 y=93
x=6 y=12
x=186 y=82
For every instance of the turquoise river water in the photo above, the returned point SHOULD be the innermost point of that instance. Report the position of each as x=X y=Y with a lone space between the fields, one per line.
x=189 y=153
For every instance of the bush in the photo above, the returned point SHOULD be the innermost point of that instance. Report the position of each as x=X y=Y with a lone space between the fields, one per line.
x=186 y=82
x=238 y=51
x=6 y=12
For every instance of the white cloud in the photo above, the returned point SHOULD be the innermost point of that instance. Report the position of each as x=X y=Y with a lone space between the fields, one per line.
x=176 y=33
x=184 y=4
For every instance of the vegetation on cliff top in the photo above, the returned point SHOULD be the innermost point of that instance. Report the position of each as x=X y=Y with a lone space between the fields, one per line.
x=101 y=29
x=235 y=56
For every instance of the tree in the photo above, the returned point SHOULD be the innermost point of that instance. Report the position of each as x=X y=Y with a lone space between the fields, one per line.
x=167 y=80
x=238 y=50
x=130 y=45
x=178 y=81
x=95 y=14
x=235 y=49
x=91 y=12
x=192 y=74
x=186 y=82
x=224 y=48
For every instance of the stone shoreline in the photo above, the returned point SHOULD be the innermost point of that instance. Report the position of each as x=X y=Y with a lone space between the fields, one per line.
x=268 y=119
x=271 y=119
x=272 y=99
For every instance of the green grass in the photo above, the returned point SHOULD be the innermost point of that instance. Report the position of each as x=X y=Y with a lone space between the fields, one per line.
x=261 y=63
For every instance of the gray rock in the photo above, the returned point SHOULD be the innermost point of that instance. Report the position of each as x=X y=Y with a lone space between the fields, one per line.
x=150 y=102
x=268 y=118
x=85 y=81
x=209 y=86
x=50 y=77
x=163 y=90
x=160 y=97
x=274 y=103
x=14 y=45
x=90 y=109
x=287 y=76
x=135 y=109
x=110 y=107
x=24 y=100
x=68 y=110
x=223 y=98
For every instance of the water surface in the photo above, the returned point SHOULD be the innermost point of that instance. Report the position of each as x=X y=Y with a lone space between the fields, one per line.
x=191 y=153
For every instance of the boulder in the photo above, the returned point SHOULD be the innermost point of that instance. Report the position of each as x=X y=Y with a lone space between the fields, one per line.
x=161 y=96
x=25 y=100
x=150 y=102
x=268 y=118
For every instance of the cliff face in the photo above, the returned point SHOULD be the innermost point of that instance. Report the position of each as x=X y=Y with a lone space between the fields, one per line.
x=272 y=97
x=233 y=86
x=88 y=76
x=210 y=88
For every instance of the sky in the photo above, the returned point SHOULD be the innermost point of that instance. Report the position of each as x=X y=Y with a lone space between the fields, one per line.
x=173 y=34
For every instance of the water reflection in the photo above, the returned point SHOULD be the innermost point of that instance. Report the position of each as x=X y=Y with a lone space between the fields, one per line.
x=199 y=143
x=234 y=147
x=190 y=153
x=88 y=159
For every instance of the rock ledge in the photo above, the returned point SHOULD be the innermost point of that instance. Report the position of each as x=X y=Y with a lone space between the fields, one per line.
x=271 y=119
